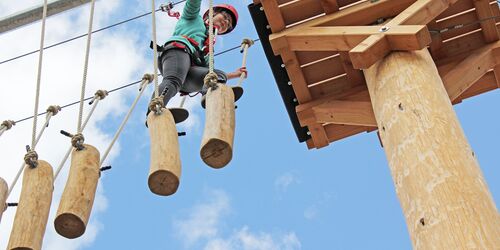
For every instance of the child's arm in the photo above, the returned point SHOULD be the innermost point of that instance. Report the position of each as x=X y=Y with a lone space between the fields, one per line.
x=237 y=73
x=191 y=9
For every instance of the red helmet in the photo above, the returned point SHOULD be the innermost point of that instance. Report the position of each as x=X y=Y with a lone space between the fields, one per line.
x=229 y=9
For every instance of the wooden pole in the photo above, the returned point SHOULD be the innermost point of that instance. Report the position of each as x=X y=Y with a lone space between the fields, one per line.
x=79 y=193
x=33 y=210
x=4 y=188
x=444 y=196
x=217 y=143
x=165 y=169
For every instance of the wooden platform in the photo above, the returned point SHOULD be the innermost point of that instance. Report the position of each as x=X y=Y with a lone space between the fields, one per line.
x=324 y=44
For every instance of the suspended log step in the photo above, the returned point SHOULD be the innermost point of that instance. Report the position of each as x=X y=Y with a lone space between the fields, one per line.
x=3 y=197
x=165 y=169
x=79 y=194
x=33 y=210
x=217 y=143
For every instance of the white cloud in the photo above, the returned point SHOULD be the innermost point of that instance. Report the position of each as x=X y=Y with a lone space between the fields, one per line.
x=203 y=226
x=116 y=59
x=284 y=181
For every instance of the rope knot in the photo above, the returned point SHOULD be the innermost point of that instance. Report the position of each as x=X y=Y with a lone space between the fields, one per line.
x=54 y=109
x=101 y=94
x=156 y=104
x=8 y=124
x=148 y=77
x=31 y=159
x=77 y=141
x=210 y=80
x=247 y=41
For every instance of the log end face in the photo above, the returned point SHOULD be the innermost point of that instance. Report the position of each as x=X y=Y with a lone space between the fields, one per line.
x=163 y=182
x=69 y=225
x=216 y=153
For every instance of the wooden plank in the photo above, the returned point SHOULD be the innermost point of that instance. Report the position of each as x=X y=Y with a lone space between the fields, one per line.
x=301 y=10
x=354 y=76
x=338 y=112
x=273 y=15
x=466 y=73
x=486 y=83
x=343 y=38
x=323 y=70
x=496 y=70
x=419 y=13
x=307 y=57
x=337 y=132
x=329 y=6
x=489 y=27
x=466 y=17
x=459 y=45
x=458 y=7
x=318 y=135
x=299 y=83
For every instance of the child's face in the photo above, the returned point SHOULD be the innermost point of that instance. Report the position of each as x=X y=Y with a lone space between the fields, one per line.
x=223 y=21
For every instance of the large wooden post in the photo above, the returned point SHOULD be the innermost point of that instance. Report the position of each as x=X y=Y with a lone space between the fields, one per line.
x=79 y=193
x=4 y=188
x=33 y=210
x=218 y=137
x=444 y=196
x=165 y=169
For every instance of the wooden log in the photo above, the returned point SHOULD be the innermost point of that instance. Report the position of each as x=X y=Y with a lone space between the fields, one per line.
x=33 y=210
x=4 y=189
x=444 y=196
x=79 y=193
x=165 y=169
x=218 y=137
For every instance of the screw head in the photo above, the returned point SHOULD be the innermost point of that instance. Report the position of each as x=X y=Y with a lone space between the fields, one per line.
x=384 y=29
x=289 y=83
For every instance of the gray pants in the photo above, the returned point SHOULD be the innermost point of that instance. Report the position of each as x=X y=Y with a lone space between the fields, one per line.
x=180 y=75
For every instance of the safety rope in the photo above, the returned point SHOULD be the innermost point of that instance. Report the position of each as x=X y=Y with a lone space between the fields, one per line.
x=145 y=80
x=29 y=157
x=98 y=96
x=85 y=69
x=39 y=75
x=211 y=78
x=155 y=50
x=245 y=44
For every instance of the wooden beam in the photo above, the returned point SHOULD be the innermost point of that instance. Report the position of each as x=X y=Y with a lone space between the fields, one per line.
x=294 y=71
x=354 y=76
x=273 y=15
x=467 y=72
x=337 y=132
x=420 y=13
x=489 y=27
x=486 y=83
x=338 y=112
x=345 y=38
x=496 y=70
x=329 y=6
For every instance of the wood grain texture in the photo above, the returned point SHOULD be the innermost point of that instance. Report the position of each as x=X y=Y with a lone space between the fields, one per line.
x=4 y=188
x=444 y=196
x=79 y=193
x=165 y=168
x=218 y=137
x=33 y=210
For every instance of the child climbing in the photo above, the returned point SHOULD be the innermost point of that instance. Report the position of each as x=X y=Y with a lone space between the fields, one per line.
x=183 y=59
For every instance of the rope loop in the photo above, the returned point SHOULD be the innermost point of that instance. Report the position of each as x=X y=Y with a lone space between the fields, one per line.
x=156 y=104
x=77 y=141
x=101 y=94
x=148 y=77
x=31 y=159
x=54 y=109
x=210 y=80
x=247 y=41
x=8 y=124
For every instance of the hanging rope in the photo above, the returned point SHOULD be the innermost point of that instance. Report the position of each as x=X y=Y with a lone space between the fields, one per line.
x=211 y=78
x=98 y=96
x=30 y=156
x=145 y=81
x=6 y=125
x=78 y=138
x=155 y=50
x=39 y=76
x=245 y=44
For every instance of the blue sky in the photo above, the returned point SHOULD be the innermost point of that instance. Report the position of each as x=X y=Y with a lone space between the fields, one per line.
x=275 y=193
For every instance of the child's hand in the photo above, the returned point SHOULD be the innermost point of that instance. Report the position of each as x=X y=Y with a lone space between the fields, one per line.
x=242 y=70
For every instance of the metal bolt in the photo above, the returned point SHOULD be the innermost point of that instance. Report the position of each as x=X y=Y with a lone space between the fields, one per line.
x=282 y=65
x=290 y=83
x=294 y=99
x=384 y=29
x=268 y=27
x=261 y=8
x=308 y=132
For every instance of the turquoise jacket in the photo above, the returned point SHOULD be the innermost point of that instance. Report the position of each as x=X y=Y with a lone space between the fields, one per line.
x=191 y=25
